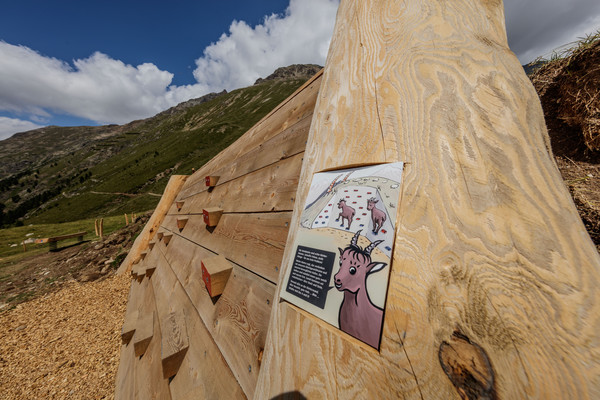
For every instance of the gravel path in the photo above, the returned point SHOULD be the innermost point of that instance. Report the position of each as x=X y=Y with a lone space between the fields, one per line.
x=64 y=345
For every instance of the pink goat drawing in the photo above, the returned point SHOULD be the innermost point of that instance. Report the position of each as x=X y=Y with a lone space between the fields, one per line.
x=377 y=216
x=346 y=213
x=358 y=316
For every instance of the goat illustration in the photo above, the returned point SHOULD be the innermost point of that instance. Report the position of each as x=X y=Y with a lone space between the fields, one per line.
x=377 y=216
x=346 y=213
x=358 y=316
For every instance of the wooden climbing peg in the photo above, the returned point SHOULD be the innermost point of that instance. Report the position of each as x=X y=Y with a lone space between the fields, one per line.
x=181 y=223
x=150 y=270
x=215 y=273
x=174 y=342
x=143 y=334
x=212 y=215
x=128 y=328
x=211 y=180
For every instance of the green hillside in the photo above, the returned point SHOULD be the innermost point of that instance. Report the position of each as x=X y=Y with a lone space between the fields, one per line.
x=89 y=172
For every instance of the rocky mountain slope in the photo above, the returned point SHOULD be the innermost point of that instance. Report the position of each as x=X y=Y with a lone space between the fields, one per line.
x=58 y=174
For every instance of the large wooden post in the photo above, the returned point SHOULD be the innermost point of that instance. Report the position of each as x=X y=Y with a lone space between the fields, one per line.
x=493 y=288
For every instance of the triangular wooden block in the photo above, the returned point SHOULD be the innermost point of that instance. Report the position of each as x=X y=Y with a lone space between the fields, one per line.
x=144 y=331
x=174 y=342
x=212 y=216
x=211 y=180
x=129 y=325
x=181 y=223
x=215 y=273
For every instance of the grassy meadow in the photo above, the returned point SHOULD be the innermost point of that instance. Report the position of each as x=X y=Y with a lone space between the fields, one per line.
x=10 y=254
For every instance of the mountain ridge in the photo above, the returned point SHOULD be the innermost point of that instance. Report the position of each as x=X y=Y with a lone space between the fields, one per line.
x=55 y=174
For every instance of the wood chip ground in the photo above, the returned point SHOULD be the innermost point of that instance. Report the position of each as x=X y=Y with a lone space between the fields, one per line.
x=64 y=345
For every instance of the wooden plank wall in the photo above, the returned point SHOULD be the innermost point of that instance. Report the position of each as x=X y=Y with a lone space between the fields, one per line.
x=141 y=243
x=258 y=178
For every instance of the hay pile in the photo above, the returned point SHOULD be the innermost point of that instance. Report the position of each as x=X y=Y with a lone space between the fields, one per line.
x=569 y=88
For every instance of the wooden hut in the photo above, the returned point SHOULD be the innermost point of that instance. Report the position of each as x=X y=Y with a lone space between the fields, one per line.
x=492 y=284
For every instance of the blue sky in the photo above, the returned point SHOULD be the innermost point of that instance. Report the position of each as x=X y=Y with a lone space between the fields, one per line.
x=171 y=35
x=96 y=62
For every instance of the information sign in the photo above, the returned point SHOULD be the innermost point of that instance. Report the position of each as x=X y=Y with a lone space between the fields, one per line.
x=343 y=249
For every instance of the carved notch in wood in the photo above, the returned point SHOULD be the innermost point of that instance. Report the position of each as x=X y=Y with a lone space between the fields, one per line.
x=181 y=222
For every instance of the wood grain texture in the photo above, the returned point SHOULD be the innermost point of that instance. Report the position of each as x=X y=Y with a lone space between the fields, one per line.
x=181 y=223
x=272 y=188
x=144 y=332
x=215 y=274
x=175 y=184
x=138 y=271
x=489 y=243
x=125 y=379
x=144 y=310
x=149 y=380
x=167 y=238
x=254 y=241
x=295 y=108
x=174 y=342
x=150 y=262
x=212 y=215
x=211 y=180
x=238 y=320
x=203 y=369
x=290 y=142
x=131 y=315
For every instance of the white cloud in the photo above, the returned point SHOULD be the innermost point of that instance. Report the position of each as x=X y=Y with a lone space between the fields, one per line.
x=238 y=58
x=535 y=28
x=98 y=88
x=10 y=126
x=105 y=90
